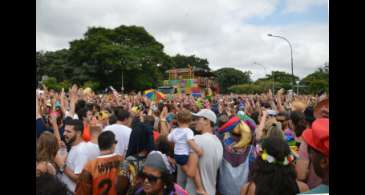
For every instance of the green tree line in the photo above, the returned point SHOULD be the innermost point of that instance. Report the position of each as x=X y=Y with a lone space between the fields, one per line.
x=102 y=56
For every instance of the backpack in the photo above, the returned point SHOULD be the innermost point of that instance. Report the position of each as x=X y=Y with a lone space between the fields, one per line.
x=129 y=171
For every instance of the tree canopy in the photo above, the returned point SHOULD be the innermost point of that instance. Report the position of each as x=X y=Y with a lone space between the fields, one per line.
x=181 y=61
x=316 y=81
x=228 y=77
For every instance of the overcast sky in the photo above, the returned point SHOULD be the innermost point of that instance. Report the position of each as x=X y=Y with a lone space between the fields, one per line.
x=229 y=33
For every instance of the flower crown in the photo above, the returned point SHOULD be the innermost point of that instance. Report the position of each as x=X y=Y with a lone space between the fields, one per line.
x=270 y=159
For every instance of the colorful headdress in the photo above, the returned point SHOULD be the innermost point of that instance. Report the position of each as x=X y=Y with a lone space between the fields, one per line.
x=238 y=127
x=270 y=159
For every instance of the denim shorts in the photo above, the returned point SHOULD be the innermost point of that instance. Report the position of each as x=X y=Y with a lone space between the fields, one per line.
x=181 y=159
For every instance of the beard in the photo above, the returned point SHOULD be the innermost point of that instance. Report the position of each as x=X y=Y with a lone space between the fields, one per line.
x=71 y=140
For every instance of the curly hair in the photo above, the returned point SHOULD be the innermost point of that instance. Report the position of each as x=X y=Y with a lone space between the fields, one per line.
x=270 y=178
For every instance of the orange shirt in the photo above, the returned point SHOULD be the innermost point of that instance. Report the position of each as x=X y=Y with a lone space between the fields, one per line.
x=86 y=133
x=99 y=176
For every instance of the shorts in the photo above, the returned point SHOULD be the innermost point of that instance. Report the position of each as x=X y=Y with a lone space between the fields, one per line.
x=181 y=159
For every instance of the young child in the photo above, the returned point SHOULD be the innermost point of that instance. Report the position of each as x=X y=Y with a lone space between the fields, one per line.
x=183 y=137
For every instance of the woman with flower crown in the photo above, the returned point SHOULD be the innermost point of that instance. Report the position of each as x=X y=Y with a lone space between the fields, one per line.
x=273 y=171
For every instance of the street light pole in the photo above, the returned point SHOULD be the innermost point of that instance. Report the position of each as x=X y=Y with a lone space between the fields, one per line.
x=291 y=56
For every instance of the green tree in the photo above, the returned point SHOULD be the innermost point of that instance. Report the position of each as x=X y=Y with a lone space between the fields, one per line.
x=228 y=77
x=280 y=79
x=181 y=61
x=316 y=81
x=104 y=54
x=51 y=83
x=53 y=64
x=252 y=88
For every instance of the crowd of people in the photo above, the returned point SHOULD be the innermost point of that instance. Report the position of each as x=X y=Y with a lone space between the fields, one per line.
x=113 y=143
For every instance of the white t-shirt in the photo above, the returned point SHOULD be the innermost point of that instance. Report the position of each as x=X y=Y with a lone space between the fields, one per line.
x=76 y=160
x=209 y=163
x=122 y=134
x=93 y=150
x=180 y=136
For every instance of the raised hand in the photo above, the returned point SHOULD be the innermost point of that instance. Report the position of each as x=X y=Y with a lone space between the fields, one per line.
x=53 y=118
x=164 y=113
x=270 y=95
x=37 y=108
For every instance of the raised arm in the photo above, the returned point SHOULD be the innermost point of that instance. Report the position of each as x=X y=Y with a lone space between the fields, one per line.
x=37 y=108
x=62 y=101
x=279 y=101
x=164 y=126
x=55 y=127
x=259 y=129
x=73 y=99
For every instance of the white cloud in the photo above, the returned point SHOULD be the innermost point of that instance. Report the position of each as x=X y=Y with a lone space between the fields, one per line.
x=212 y=29
x=302 y=5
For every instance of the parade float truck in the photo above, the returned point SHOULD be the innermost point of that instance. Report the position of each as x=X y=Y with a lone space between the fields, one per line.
x=190 y=81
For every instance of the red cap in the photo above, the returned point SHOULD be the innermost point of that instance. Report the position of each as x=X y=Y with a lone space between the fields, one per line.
x=318 y=136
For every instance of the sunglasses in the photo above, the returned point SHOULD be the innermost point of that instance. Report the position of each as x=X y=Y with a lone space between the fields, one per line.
x=150 y=178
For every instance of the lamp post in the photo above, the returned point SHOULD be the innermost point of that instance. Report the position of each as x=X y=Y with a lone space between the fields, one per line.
x=291 y=55
x=273 y=78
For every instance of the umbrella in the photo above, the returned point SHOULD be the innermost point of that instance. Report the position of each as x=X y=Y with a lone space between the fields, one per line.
x=154 y=95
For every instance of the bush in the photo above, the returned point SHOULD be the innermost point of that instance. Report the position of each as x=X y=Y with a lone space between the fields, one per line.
x=92 y=84
x=65 y=84
x=252 y=88
x=51 y=83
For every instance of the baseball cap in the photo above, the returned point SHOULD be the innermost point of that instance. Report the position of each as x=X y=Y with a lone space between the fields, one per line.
x=206 y=113
x=318 y=136
x=158 y=160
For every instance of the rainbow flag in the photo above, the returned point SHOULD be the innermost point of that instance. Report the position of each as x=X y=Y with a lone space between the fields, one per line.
x=154 y=95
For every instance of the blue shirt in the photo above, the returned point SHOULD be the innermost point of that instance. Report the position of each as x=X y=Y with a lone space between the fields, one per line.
x=41 y=127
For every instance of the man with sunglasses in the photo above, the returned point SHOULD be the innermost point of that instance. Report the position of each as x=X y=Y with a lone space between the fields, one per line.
x=207 y=164
x=99 y=175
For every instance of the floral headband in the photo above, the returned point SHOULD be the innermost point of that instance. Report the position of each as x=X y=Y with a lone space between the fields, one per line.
x=270 y=159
